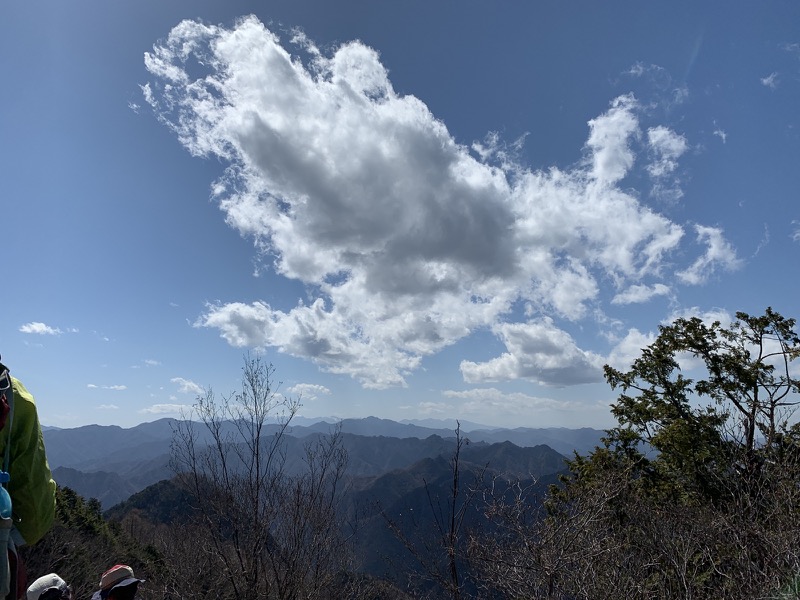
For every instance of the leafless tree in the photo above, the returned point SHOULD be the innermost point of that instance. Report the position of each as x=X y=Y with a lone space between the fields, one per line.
x=437 y=540
x=267 y=531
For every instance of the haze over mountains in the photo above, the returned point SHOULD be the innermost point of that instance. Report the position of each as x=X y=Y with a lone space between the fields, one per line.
x=111 y=463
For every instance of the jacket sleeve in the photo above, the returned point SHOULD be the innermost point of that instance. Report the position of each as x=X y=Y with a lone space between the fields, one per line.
x=32 y=489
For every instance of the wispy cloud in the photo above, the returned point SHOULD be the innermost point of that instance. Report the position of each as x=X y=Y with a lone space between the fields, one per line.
x=107 y=407
x=186 y=386
x=665 y=149
x=308 y=391
x=167 y=409
x=488 y=400
x=764 y=241
x=670 y=93
x=639 y=69
x=434 y=408
x=640 y=293
x=770 y=81
x=39 y=328
x=719 y=255
x=792 y=49
x=113 y=388
x=407 y=239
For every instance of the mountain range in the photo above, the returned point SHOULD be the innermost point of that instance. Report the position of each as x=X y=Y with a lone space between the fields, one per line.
x=385 y=507
x=112 y=463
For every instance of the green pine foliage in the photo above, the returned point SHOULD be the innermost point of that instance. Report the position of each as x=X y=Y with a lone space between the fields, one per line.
x=82 y=544
x=709 y=462
x=696 y=492
x=161 y=503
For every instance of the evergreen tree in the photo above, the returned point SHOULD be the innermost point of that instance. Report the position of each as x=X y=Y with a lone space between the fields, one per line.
x=693 y=495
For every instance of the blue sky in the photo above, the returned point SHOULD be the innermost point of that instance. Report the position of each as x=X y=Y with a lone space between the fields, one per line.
x=413 y=209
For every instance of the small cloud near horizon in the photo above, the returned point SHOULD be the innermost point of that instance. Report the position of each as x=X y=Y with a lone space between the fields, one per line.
x=166 y=409
x=434 y=408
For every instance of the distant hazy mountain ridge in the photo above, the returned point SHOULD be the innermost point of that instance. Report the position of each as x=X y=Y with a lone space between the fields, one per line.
x=111 y=463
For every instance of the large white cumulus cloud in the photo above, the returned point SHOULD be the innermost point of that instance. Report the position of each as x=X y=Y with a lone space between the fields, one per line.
x=406 y=239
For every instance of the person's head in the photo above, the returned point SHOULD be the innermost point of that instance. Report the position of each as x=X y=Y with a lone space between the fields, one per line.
x=118 y=583
x=49 y=587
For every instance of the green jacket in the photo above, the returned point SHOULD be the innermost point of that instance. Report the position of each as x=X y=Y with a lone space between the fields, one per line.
x=32 y=489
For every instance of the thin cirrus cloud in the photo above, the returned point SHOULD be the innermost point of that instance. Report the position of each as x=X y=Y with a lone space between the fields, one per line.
x=408 y=240
x=113 y=388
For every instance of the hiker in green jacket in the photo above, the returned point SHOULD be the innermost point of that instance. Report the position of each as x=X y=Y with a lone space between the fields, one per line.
x=31 y=486
x=32 y=489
